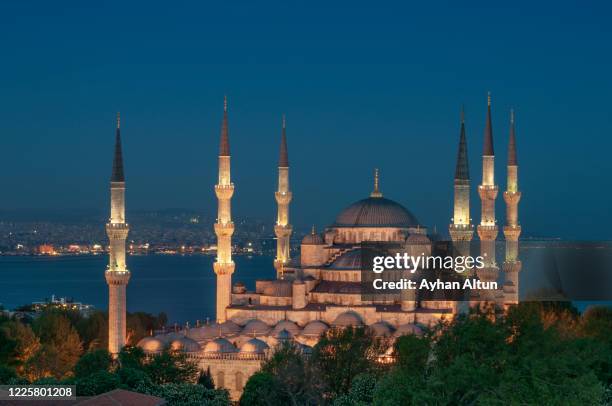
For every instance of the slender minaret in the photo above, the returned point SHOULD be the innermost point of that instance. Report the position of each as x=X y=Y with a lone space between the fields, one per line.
x=283 y=196
x=224 y=227
x=512 y=229
x=461 y=229
x=117 y=275
x=487 y=230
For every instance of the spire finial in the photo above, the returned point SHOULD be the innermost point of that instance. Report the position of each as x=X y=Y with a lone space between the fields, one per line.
x=225 y=103
x=118 y=120
x=488 y=98
x=313 y=231
x=224 y=148
x=284 y=123
x=283 y=159
x=376 y=191
x=512 y=158
x=511 y=116
x=462 y=113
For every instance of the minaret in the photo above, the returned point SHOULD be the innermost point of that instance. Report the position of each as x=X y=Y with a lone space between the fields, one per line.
x=512 y=229
x=487 y=230
x=283 y=196
x=461 y=229
x=224 y=227
x=117 y=275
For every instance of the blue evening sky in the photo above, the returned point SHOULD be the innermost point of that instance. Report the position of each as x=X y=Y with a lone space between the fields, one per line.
x=363 y=85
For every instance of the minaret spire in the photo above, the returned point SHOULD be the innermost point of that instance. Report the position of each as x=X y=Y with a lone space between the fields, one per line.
x=376 y=192
x=117 y=174
x=117 y=276
x=283 y=197
x=512 y=229
x=487 y=190
x=461 y=228
x=224 y=227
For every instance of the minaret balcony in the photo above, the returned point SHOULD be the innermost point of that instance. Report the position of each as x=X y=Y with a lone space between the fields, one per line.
x=224 y=192
x=117 y=231
x=224 y=229
x=488 y=192
x=512 y=233
x=283 y=231
x=224 y=268
x=117 y=278
x=512 y=198
x=283 y=197
x=487 y=232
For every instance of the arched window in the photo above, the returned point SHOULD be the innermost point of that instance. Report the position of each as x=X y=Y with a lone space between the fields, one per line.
x=220 y=380
x=239 y=380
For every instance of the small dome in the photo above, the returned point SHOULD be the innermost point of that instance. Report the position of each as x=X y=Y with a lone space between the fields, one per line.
x=381 y=329
x=151 y=345
x=315 y=328
x=205 y=332
x=313 y=238
x=185 y=344
x=239 y=287
x=408 y=328
x=228 y=328
x=219 y=345
x=418 y=239
x=348 y=319
x=287 y=325
x=376 y=212
x=255 y=327
x=254 y=346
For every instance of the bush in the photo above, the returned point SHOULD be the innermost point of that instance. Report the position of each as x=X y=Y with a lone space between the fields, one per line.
x=91 y=362
x=96 y=383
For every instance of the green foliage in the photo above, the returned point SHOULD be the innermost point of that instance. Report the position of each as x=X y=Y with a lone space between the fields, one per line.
x=61 y=346
x=91 y=362
x=206 y=380
x=343 y=354
x=184 y=394
x=131 y=357
x=361 y=392
x=7 y=374
x=93 y=330
x=263 y=389
x=134 y=379
x=96 y=383
x=171 y=367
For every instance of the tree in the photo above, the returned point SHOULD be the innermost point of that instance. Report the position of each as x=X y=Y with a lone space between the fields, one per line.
x=206 y=380
x=341 y=355
x=264 y=389
x=93 y=330
x=20 y=344
x=171 y=367
x=96 y=382
x=61 y=346
x=92 y=362
x=131 y=357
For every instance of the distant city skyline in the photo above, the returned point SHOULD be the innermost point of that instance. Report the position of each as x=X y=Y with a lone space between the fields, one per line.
x=362 y=88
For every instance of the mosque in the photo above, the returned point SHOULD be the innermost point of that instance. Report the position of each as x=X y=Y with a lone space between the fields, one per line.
x=321 y=287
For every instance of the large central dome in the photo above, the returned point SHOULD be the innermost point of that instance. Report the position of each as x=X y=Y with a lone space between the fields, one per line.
x=376 y=212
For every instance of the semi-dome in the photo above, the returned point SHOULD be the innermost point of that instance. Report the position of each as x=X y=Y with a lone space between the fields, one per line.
x=408 y=328
x=381 y=329
x=151 y=344
x=185 y=344
x=347 y=319
x=376 y=212
x=254 y=346
x=348 y=260
x=219 y=345
x=287 y=325
x=255 y=327
x=315 y=328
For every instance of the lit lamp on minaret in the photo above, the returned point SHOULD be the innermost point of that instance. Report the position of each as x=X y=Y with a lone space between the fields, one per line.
x=461 y=229
x=512 y=229
x=117 y=275
x=224 y=227
x=487 y=229
x=283 y=196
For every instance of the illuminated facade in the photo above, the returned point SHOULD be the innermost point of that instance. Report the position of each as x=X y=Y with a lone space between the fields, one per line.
x=320 y=288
